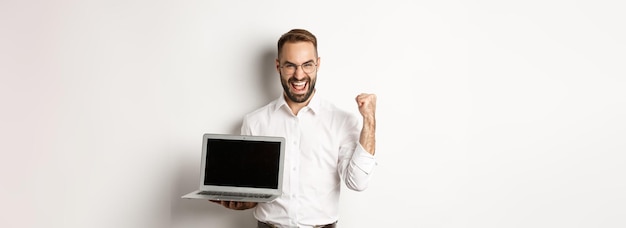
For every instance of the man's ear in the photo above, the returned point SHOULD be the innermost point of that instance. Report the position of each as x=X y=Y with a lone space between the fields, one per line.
x=319 y=60
x=277 y=65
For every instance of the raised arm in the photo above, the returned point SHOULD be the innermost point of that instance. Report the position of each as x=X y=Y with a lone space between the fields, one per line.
x=367 y=108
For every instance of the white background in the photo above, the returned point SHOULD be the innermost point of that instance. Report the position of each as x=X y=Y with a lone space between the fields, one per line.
x=490 y=114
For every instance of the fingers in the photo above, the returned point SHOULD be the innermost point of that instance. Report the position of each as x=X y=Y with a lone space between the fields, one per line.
x=234 y=205
x=237 y=205
x=223 y=203
x=365 y=98
x=366 y=103
x=229 y=204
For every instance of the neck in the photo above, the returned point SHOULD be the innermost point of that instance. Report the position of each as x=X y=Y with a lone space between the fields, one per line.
x=295 y=106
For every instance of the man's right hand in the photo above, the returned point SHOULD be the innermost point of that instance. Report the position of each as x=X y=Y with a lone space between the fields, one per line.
x=234 y=205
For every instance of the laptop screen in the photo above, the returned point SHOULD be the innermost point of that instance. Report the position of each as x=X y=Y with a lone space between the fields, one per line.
x=242 y=163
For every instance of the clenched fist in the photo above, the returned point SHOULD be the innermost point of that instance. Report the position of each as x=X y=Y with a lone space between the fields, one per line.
x=367 y=104
x=367 y=108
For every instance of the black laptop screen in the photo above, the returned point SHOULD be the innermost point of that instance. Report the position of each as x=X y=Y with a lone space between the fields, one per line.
x=242 y=163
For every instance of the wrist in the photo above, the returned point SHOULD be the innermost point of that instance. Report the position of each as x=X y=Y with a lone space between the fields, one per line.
x=369 y=120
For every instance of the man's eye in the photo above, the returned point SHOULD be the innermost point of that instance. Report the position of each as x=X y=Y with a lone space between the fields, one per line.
x=308 y=65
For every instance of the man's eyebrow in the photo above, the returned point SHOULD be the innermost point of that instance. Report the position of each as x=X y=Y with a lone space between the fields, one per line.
x=310 y=61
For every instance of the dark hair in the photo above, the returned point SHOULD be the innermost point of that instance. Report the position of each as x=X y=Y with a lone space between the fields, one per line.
x=297 y=35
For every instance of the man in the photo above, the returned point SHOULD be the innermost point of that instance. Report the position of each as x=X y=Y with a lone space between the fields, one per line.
x=324 y=144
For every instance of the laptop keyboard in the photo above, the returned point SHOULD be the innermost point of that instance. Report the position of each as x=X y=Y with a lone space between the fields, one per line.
x=236 y=194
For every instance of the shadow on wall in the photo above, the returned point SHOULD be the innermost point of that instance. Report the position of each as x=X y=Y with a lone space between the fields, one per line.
x=199 y=213
x=268 y=77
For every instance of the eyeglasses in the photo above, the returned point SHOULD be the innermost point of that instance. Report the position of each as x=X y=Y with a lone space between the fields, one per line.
x=308 y=67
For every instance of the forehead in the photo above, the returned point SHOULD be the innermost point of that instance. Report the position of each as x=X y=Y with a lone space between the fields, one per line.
x=298 y=52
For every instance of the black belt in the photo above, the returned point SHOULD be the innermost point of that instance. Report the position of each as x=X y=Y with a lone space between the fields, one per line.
x=267 y=225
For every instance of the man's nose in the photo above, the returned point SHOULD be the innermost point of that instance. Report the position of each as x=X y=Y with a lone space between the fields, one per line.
x=299 y=74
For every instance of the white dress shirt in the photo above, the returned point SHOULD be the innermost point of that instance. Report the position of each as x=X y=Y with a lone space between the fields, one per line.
x=322 y=149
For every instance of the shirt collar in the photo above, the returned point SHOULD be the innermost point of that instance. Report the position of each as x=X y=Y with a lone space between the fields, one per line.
x=314 y=104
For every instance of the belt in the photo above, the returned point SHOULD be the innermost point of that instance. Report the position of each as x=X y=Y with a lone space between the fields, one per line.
x=267 y=225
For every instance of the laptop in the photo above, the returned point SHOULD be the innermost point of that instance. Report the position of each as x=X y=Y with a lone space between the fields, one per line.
x=240 y=168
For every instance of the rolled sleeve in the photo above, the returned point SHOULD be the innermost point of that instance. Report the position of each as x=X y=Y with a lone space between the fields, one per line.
x=363 y=160
x=359 y=170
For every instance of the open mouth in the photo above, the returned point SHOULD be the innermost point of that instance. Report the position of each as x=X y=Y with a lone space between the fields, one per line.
x=299 y=87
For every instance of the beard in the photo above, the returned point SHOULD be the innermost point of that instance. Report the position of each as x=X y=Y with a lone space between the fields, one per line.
x=298 y=98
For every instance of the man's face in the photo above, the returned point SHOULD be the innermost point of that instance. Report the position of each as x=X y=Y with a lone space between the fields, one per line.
x=299 y=84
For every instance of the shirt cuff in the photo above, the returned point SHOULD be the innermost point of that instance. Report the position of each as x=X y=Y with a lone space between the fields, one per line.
x=364 y=160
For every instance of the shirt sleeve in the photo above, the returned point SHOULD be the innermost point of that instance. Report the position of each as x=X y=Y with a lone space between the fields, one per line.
x=355 y=163
x=363 y=160
x=356 y=170
x=245 y=128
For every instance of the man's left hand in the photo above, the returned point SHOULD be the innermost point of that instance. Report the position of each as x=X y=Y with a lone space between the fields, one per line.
x=367 y=104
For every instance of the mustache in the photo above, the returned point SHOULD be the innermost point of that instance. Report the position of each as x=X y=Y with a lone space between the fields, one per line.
x=305 y=79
